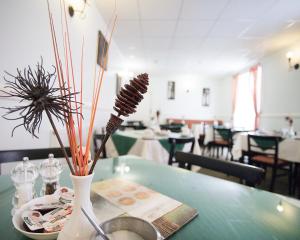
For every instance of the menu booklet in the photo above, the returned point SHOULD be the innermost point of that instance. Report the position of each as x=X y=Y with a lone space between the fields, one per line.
x=129 y=198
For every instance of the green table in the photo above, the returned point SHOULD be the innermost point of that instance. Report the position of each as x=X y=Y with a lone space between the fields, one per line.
x=227 y=210
x=154 y=147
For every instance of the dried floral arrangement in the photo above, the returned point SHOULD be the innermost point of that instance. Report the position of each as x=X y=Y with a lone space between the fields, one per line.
x=65 y=102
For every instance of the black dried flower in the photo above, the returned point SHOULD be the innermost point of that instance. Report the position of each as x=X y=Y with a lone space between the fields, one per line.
x=36 y=89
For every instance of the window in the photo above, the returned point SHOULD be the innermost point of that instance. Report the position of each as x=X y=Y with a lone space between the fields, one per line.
x=247 y=99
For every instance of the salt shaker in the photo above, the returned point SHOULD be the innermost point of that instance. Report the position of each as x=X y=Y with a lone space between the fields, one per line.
x=23 y=176
x=50 y=170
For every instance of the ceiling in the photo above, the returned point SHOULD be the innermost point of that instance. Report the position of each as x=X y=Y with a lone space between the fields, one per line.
x=207 y=37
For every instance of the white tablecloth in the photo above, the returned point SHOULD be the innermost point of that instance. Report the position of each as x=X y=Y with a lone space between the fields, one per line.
x=150 y=149
x=289 y=149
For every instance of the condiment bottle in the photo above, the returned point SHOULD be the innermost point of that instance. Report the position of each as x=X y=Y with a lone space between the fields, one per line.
x=23 y=176
x=50 y=170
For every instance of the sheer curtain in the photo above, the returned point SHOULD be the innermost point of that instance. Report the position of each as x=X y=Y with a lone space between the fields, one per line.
x=247 y=95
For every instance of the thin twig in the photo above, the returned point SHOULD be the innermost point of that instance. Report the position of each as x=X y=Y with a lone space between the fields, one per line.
x=59 y=140
x=97 y=156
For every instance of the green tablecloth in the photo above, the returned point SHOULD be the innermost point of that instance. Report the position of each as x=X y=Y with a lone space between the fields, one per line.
x=226 y=210
x=123 y=143
x=165 y=143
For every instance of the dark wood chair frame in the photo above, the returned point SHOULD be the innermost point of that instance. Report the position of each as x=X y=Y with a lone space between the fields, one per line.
x=215 y=145
x=273 y=152
x=172 y=127
x=251 y=175
x=96 y=138
x=176 y=141
x=33 y=154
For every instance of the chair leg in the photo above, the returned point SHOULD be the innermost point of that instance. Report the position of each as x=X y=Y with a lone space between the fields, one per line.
x=189 y=166
x=231 y=155
x=274 y=171
x=104 y=152
x=209 y=150
x=227 y=154
x=295 y=179
x=290 y=178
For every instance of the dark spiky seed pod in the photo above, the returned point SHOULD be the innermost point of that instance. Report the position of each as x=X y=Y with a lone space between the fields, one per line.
x=35 y=89
x=131 y=95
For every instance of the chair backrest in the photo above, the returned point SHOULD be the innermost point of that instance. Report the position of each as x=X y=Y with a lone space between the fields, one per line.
x=251 y=174
x=174 y=142
x=263 y=145
x=7 y=156
x=33 y=154
x=135 y=123
x=220 y=133
x=139 y=127
x=97 y=139
x=172 y=127
x=201 y=140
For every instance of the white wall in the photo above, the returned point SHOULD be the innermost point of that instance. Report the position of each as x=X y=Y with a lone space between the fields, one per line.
x=25 y=37
x=280 y=90
x=187 y=105
x=224 y=99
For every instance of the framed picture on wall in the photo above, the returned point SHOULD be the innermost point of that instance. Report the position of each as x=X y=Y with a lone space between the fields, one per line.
x=102 y=51
x=205 y=97
x=171 y=90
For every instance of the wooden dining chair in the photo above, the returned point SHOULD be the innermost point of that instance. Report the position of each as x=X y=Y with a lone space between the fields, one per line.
x=201 y=142
x=172 y=127
x=251 y=175
x=175 y=144
x=263 y=151
x=97 y=139
x=222 y=139
x=33 y=154
x=296 y=184
x=136 y=125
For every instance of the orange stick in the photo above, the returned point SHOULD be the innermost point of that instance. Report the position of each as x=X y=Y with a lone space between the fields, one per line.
x=81 y=77
x=99 y=87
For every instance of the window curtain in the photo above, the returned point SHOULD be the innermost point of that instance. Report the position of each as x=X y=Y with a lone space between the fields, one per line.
x=255 y=75
x=234 y=90
x=246 y=98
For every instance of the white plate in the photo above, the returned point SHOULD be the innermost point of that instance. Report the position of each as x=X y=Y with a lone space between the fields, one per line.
x=18 y=221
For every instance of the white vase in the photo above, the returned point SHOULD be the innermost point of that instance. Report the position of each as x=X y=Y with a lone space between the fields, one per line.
x=77 y=227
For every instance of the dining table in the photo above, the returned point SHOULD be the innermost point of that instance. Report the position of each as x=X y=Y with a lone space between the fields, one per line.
x=154 y=147
x=208 y=132
x=288 y=148
x=226 y=210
